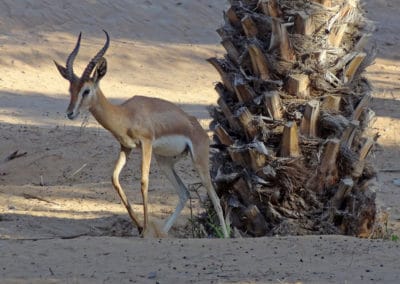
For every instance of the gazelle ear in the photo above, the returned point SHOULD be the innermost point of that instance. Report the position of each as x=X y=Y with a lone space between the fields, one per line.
x=101 y=70
x=62 y=70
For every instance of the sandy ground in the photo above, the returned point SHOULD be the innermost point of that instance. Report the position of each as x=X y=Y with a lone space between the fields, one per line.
x=61 y=221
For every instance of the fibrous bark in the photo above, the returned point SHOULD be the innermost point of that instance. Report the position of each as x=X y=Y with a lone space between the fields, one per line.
x=292 y=125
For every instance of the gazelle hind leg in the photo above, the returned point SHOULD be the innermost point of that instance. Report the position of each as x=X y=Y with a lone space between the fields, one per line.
x=146 y=161
x=166 y=164
x=200 y=161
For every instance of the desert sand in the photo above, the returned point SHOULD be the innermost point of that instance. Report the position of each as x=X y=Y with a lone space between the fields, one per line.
x=60 y=219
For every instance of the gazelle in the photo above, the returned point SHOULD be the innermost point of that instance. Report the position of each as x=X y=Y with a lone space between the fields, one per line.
x=156 y=125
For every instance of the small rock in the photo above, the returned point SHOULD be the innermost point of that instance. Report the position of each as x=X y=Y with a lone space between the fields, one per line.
x=152 y=275
x=396 y=181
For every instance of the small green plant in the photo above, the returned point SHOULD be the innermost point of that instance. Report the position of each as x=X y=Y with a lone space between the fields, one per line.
x=211 y=222
x=395 y=238
x=207 y=223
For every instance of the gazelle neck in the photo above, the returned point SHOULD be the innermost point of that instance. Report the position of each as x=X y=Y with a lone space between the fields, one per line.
x=107 y=114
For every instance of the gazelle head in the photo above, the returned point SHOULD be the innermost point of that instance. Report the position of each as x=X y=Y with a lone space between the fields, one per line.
x=83 y=89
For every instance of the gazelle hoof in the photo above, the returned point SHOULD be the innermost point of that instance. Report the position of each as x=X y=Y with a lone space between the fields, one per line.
x=154 y=230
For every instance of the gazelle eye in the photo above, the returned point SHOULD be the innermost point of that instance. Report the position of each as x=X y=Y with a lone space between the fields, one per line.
x=85 y=93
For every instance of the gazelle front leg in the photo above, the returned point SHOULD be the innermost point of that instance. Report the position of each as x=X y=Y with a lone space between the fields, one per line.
x=119 y=165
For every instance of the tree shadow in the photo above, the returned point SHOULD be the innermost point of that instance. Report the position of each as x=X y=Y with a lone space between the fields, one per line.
x=156 y=22
x=385 y=16
x=165 y=21
x=29 y=227
x=38 y=109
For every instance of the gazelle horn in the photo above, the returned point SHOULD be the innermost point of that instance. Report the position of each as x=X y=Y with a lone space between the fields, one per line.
x=95 y=59
x=71 y=58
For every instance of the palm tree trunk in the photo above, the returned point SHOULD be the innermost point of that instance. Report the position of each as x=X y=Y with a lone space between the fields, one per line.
x=292 y=125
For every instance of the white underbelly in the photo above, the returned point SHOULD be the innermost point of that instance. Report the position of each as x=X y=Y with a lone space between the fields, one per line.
x=172 y=145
